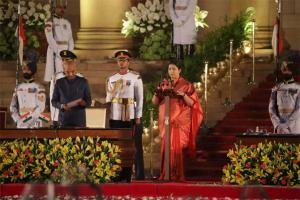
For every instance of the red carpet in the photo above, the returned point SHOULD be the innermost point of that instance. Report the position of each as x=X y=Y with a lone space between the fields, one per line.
x=252 y=111
x=165 y=189
x=212 y=148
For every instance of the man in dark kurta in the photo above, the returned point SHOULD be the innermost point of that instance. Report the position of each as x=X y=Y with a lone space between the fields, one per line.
x=71 y=94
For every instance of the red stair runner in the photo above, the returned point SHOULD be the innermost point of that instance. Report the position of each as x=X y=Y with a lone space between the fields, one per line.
x=251 y=112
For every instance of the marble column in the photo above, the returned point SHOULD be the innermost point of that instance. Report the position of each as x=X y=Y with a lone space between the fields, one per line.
x=100 y=28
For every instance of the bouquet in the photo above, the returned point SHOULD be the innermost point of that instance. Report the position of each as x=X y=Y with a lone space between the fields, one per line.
x=146 y=18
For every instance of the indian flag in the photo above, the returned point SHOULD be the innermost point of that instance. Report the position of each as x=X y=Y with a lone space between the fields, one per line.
x=26 y=117
x=44 y=117
x=277 y=43
x=22 y=38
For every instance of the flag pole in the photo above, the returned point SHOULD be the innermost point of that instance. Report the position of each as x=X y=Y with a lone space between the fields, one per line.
x=53 y=6
x=18 y=44
x=278 y=38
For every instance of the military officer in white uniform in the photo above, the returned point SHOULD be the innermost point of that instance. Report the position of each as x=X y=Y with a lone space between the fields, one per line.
x=125 y=96
x=59 y=37
x=28 y=101
x=184 y=28
x=284 y=105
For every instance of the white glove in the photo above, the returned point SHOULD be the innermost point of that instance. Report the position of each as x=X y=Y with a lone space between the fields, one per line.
x=48 y=26
x=178 y=23
x=22 y=124
x=283 y=128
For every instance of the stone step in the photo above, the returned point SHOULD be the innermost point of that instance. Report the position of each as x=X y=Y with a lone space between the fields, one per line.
x=246 y=122
x=232 y=130
x=100 y=36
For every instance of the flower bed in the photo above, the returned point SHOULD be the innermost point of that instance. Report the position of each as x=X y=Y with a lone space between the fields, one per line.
x=61 y=160
x=266 y=163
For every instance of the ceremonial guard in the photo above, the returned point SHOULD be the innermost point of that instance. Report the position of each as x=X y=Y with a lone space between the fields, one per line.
x=184 y=28
x=28 y=101
x=284 y=105
x=71 y=94
x=125 y=95
x=59 y=37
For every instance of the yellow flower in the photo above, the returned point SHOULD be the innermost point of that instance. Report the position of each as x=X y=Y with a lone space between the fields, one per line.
x=90 y=140
x=47 y=170
x=65 y=149
x=103 y=157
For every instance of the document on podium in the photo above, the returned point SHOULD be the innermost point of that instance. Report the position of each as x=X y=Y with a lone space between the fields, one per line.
x=74 y=103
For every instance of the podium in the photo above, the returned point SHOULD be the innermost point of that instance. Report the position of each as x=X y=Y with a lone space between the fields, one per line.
x=167 y=139
x=166 y=90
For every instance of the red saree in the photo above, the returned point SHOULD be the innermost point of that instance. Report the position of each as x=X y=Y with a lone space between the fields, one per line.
x=184 y=124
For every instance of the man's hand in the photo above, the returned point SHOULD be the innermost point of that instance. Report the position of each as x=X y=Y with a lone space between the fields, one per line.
x=177 y=23
x=48 y=26
x=82 y=103
x=283 y=128
x=138 y=121
x=66 y=107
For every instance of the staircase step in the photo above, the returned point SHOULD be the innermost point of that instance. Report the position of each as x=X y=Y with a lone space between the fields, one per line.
x=246 y=122
x=211 y=147
x=262 y=90
x=249 y=114
x=207 y=163
x=208 y=139
x=264 y=97
x=238 y=129
x=205 y=173
x=267 y=85
x=212 y=155
x=257 y=106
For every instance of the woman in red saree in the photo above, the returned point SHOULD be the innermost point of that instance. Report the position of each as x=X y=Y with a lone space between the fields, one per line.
x=185 y=118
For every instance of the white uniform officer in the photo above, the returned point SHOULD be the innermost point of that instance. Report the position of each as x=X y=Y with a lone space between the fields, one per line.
x=124 y=92
x=184 y=28
x=28 y=101
x=284 y=105
x=59 y=37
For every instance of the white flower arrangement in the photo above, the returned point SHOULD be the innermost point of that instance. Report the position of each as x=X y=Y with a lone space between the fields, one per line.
x=145 y=18
x=153 y=15
x=33 y=14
